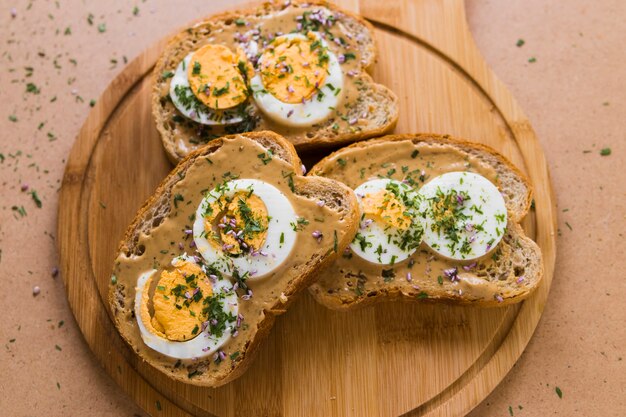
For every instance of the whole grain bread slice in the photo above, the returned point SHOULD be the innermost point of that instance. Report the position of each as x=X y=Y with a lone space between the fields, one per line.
x=204 y=372
x=507 y=276
x=373 y=111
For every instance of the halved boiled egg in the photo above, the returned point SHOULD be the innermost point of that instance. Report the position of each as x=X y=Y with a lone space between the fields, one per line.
x=209 y=86
x=391 y=228
x=244 y=226
x=465 y=215
x=299 y=80
x=188 y=314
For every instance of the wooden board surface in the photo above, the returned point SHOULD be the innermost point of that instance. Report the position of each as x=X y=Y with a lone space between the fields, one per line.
x=389 y=359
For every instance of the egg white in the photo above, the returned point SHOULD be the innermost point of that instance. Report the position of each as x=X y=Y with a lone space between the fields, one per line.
x=280 y=238
x=485 y=196
x=383 y=250
x=204 y=344
x=314 y=110
x=200 y=113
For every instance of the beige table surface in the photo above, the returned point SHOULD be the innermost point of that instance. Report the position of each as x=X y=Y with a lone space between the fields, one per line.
x=574 y=94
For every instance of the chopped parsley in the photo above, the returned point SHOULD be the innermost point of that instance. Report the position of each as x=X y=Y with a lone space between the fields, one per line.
x=36 y=198
x=177 y=198
x=221 y=91
x=265 y=157
x=196 y=69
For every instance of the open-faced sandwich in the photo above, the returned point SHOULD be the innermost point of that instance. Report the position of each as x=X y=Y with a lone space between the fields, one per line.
x=221 y=248
x=296 y=68
x=439 y=221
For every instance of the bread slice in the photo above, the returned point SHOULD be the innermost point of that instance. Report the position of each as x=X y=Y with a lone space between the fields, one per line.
x=507 y=276
x=336 y=213
x=371 y=110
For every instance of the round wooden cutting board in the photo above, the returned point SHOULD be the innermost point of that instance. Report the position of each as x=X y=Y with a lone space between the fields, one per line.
x=386 y=360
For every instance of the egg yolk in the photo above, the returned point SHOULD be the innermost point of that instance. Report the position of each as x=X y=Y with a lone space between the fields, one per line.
x=216 y=77
x=178 y=302
x=292 y=69
x=239 y=224
x=386 y=207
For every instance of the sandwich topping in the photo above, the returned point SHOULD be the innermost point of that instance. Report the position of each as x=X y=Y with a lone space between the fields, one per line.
x=203 y=278
x=464 y=213
x=244 y=225
x=390 y=229
x=194 y=311
x=300 y=67
x=427 y=210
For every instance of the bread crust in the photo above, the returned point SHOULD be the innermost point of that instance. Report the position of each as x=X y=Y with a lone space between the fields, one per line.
x=272 y=6
x=298 y=283
x=402 y=292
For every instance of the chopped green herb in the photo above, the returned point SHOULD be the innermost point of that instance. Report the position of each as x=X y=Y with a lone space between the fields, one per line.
x=20 y=210
x=135 y=11
x=221 y=91
x=13 y=118
x=289 y=177
x=605 y=152
x=422 y=295
x=532 y=59
x=414 y=153
x=240 y=22
x=102 y=27
x=177 y=198
x=342 y=162
x=36 y=198
x=234 y=355
x=266 y=157
x=32 y=88
x=196 y=68
x=559 y=392
x=520 y=43
x=113 y=279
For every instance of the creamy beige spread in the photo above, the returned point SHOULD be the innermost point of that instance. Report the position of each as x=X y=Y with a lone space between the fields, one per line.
x=317 y=235
x=352 y=278
x=238 y=33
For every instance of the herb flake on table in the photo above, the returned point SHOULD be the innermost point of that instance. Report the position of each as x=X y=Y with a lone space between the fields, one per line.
x=558 y=392
x=520 y=42
x=36 y=199
x=605 y=152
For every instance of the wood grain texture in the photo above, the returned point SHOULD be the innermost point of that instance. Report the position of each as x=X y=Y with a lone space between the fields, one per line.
x=390 y=359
